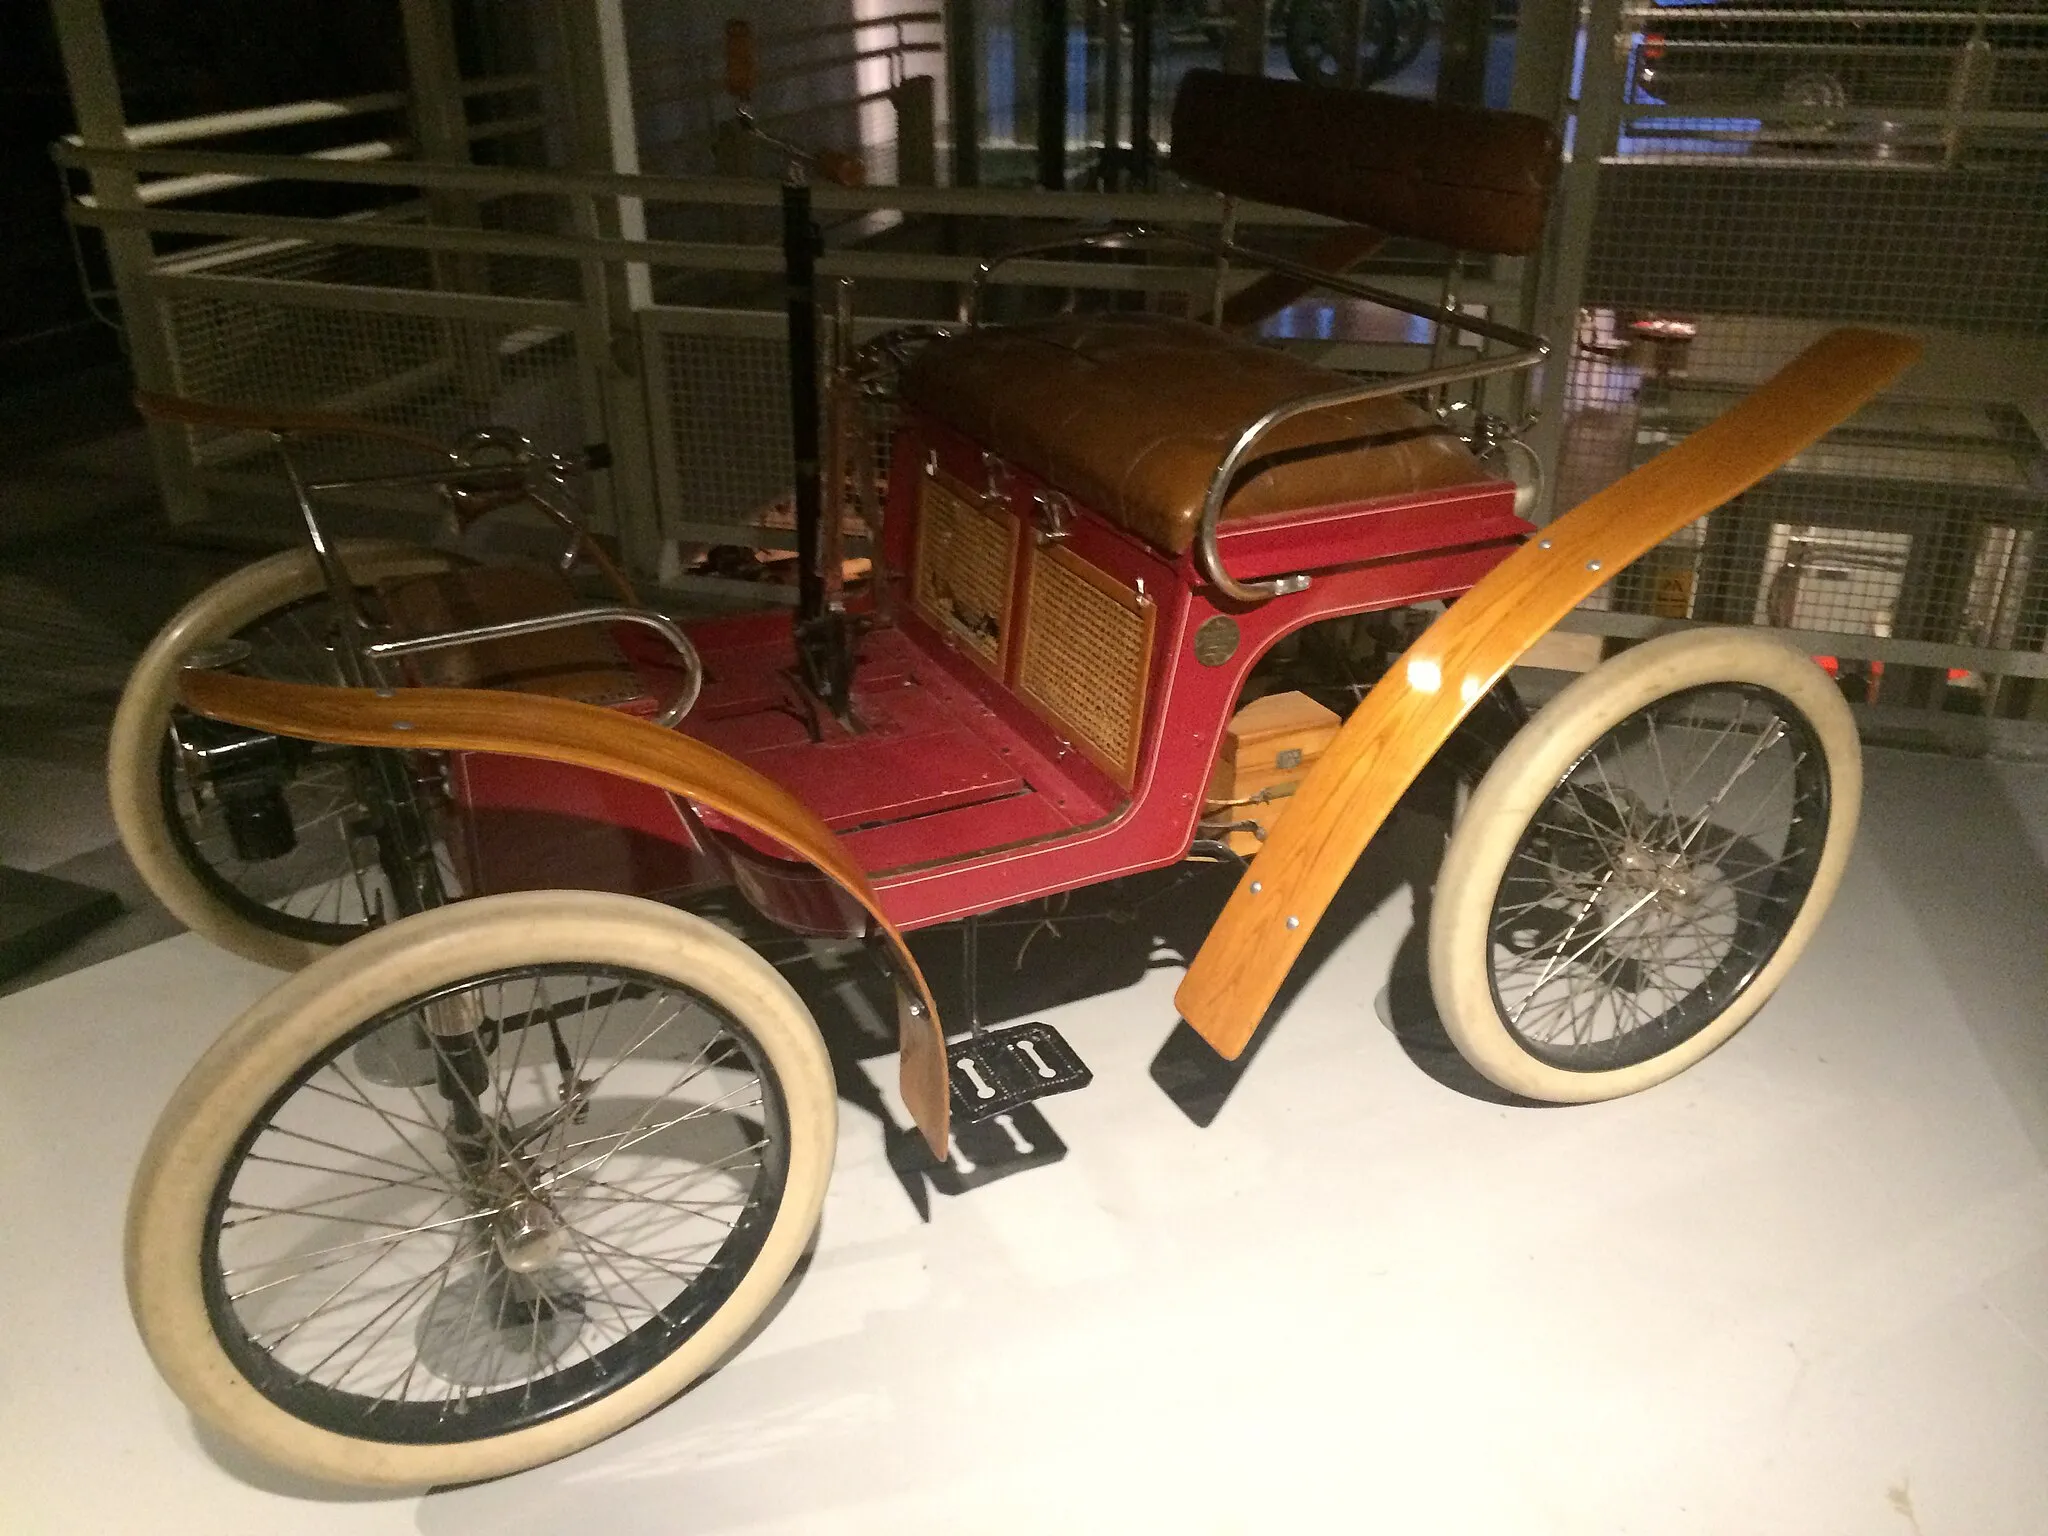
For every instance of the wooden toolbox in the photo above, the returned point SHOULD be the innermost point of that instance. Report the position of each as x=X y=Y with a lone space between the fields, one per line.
x=1267 y=749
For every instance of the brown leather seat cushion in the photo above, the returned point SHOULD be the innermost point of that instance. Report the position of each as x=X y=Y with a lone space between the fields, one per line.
x=583 y=663
x=1130 y=415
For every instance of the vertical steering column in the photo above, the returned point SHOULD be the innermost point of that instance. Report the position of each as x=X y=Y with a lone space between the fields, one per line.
x=824 y=644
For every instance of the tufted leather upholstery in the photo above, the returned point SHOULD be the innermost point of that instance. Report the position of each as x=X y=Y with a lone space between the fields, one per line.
x=1130 y=415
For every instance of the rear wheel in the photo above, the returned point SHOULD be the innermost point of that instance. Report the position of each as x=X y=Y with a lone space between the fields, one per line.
x=615 y=1154
x=269 y=858
x=1642 y=864
x=1390 y=36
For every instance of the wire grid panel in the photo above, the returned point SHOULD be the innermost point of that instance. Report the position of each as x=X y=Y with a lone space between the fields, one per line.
x=720 y=403
x=1778 y=174
x=1916 y=520
x=723 y=442
x=437 y=374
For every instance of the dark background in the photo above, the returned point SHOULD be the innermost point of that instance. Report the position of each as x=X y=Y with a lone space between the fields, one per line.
x=174 y=58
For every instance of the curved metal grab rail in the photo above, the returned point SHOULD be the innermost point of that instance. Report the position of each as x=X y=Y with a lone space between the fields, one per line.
x=684 y=700
x=1530 y=349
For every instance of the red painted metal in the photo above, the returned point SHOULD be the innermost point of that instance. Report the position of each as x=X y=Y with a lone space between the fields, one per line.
x=954 y=794
x=531 y=826
x=782 y=888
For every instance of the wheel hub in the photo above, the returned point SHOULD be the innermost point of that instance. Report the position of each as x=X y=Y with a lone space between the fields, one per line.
x=529 y=1236
x=1666 y=875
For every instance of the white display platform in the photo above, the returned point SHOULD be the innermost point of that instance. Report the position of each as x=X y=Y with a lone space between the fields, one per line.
x=1802 y=1289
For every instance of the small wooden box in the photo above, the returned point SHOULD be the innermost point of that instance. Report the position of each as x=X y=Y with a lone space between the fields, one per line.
x=1270 y=741
x=1267 y=749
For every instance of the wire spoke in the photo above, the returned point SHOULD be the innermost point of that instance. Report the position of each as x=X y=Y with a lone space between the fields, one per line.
x=425 y=1284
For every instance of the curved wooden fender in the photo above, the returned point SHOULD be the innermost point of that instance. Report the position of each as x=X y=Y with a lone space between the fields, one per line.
x=1415 y=707
x=563 y=731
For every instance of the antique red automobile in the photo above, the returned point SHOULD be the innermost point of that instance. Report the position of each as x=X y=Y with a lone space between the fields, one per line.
x=528 y=1141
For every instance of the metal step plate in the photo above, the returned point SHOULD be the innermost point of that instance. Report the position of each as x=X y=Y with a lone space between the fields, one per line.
x=1000 y=1069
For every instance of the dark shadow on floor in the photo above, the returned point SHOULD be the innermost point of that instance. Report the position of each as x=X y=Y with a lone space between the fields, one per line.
x=1406 y=853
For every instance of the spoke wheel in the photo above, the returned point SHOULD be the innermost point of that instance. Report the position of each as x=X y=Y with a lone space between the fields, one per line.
x=1643 y=864
x=174 y=823
x=482 y=1189
x=1390 y=34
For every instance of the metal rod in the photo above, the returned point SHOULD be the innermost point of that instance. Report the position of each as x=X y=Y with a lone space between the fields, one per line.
x=839 y=28
x=970 y=971
x=512 y=629
x=1349 y=287
x=1210 y=558
x=171 y=188
x=1141 y=91
x=800 y=247
x=1229 y=236
x=219 y=124
x=493 y=180
x=1112 y=93
x=841 y=61
x=341 y=590
x=1052 y=94
x=963 y=93
x=1640 y=10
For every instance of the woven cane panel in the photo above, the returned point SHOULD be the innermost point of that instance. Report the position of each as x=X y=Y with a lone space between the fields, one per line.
x=1085 y=653
x=965 y=560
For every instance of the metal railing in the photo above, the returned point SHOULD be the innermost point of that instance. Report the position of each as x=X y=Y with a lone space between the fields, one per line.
x=416 y=320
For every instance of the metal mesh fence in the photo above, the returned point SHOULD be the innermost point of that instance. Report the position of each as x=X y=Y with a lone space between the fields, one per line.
x=1780 y=170
x=728 y=415
x=727 y=411
x=433 y=374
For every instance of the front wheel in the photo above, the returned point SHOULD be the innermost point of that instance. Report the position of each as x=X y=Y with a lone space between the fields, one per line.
x=1642 y=865
x=481 y=1188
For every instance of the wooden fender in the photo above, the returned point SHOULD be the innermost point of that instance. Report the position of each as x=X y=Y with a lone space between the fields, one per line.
x=563 y=731
x=1413 y=709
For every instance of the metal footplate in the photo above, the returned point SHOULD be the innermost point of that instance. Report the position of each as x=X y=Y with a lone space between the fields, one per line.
x=995 y=1071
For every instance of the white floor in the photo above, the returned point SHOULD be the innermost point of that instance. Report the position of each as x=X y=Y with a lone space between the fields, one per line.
x=1802 y=1289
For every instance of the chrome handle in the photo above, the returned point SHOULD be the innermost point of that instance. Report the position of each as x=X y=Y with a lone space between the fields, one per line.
x=681 y=704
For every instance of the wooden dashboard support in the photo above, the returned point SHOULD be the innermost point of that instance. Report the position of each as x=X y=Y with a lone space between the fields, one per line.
x=1416 y=706
x=586 y=736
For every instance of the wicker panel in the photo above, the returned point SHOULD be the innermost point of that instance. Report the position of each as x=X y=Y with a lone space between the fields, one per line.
x=966 y=560
x=1087 y=648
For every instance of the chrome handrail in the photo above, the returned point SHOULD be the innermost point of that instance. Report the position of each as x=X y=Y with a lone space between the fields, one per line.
x=679 y=705
x=1530 y=349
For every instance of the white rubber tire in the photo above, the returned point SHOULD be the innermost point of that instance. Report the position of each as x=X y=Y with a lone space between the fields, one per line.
x=1538 y=757
x=144 y=715
x=306 y=1013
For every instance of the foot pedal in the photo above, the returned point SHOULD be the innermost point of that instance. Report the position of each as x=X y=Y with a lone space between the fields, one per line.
x=999 y=1070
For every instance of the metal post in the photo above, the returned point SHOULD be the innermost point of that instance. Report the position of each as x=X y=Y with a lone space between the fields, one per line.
x=917 y=157
x=1594 y=125
x=1545 y=33
x=1244 y=48
x=800 y=250
x=1350 y=35
x=590 y=40
x=1052 y=94
x=1109 y=164
x=1141 y=93
x=96 y=102
x=438 y=121
x=1461 y=69
x=963 y=91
